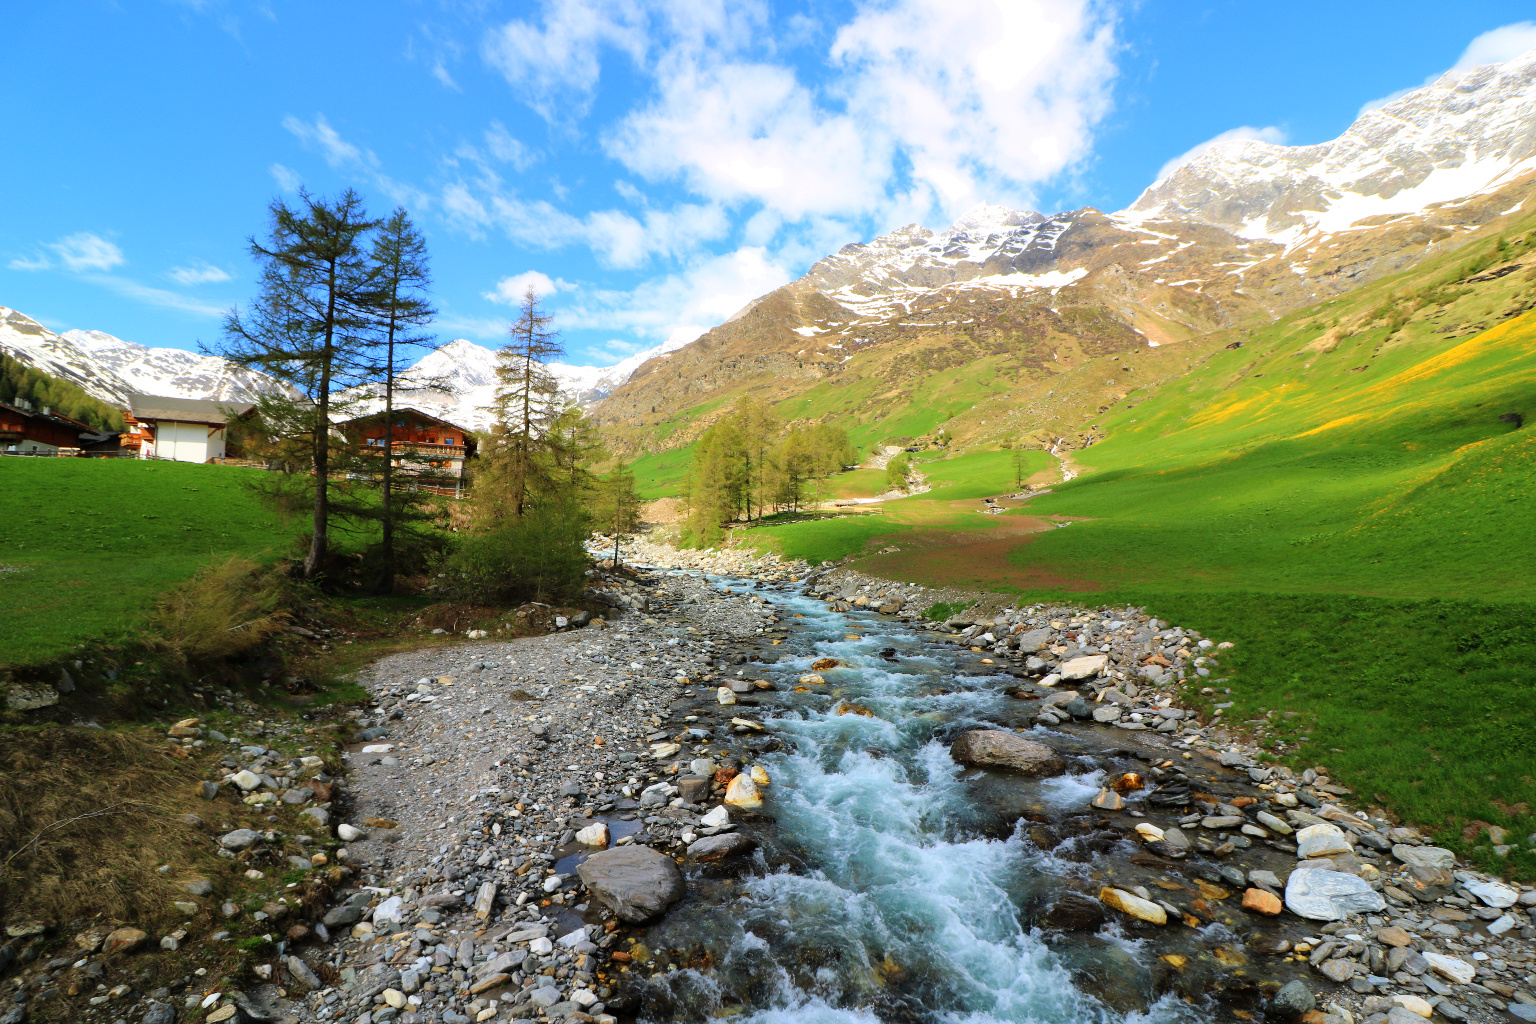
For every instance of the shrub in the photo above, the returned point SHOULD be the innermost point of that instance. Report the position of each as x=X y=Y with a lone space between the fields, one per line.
x=539 y=557
x=223 y=611
x=897 y=470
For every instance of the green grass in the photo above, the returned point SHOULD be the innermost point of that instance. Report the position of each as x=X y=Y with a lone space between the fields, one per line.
x=660 y=474
x=1422 y=706
x=977 y=474
x=822 y=539
x=944 y=609
x=90 y=544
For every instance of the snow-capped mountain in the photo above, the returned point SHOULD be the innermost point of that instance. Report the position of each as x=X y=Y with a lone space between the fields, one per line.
x=468 y=371
x=1467 y=133
x=111 y=369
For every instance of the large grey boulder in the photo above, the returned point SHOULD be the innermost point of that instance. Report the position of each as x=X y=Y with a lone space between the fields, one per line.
x=239 y=839
x=635 y=882
x=1322 y=895
x=1293 y=1000
x=1433 y=857
x=994 y=748
x=727 y=844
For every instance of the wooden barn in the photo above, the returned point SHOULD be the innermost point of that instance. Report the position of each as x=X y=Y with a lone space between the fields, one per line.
x=24 y=430
x=183 y=429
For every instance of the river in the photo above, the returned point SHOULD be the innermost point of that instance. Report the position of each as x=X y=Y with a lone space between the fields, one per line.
x=893 y=884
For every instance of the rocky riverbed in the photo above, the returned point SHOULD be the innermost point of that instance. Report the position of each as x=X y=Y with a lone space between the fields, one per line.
x=794 y=798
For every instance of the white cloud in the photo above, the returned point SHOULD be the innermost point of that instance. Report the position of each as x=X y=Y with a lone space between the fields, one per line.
x=154 y=296
x=198 y=272
x=929 y=106
x=30 y=263
x=679 y=307
x=1246 y=133
x=502 y=146
x=510 y=290
x=87 y=251
x=287 y=180
x=1495 y=46
x=556 y=67
x=320 y=136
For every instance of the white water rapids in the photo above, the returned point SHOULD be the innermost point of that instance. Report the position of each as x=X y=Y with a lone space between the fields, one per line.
x=906 y=901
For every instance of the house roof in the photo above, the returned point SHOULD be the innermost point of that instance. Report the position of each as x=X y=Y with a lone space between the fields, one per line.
x=405 y=408
x=38 y=414
x=186 y=410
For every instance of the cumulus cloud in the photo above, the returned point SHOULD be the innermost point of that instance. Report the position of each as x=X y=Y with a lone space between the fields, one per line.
x=678 y=307
x=1496 y=46
x=1245 y=133
x=510 y=290
x=927 y=106
x=198 y=272
x=327 y=141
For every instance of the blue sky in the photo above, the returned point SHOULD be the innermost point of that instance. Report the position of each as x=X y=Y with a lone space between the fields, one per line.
x=651 y=164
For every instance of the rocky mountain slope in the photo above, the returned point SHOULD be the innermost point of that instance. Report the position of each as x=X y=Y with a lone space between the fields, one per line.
x=1014 y=299
x=111 y=369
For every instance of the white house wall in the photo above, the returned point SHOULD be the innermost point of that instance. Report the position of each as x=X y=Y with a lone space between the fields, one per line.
x=188 y=442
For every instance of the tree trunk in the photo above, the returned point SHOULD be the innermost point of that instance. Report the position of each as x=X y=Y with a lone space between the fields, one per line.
x=318 y=538
x=387 y=582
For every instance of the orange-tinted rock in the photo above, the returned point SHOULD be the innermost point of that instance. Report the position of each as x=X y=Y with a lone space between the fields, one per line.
x=1264 y=902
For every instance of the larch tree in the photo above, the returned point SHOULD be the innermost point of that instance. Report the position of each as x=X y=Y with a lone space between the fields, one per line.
x=309 y=328
x=397 y=304
x=526 y=402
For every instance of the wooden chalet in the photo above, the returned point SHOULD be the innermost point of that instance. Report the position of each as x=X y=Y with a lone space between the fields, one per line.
x=429 y=451
x=27 y=431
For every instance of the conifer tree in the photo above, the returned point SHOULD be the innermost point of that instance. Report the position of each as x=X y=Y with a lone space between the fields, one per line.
x=525 y=403
x=398 y=306
x=309 y=328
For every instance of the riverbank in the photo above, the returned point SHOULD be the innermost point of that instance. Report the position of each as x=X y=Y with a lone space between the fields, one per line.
x=1154 y=864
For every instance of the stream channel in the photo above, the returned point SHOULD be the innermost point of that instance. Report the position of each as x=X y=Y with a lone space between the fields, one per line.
x=892 y=884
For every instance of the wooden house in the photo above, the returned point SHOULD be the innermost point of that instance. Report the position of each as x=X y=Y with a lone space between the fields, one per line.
x=429 y=451
x=183 y=429
x=24 y=430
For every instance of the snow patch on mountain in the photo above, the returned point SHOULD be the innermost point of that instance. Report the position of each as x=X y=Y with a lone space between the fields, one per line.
x=1467 y=133
x=111 y=369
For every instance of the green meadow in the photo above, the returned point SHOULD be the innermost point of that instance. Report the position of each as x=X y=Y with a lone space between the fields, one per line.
x=92 y=543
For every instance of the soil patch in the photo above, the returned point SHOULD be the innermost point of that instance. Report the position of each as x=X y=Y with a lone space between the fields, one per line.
x=947 y=559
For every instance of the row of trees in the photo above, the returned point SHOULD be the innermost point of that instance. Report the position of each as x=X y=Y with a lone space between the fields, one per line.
x=42 y=391
x=748 y=462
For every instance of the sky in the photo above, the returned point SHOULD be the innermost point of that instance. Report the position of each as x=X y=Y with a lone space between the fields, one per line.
x=649 y=166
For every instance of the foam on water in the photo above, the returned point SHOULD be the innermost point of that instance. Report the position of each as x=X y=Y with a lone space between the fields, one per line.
x=896 y=908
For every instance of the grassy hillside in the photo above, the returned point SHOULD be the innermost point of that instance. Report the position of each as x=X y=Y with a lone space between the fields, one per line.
x=91 y=543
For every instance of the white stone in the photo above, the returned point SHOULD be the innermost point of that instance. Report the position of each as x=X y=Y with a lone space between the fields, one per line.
x=1323 y=895
x=1425 y=856
x=583 y=997
x=1322 y=841
x=553 y=882
x=715 y=818
x=349 y=833
x=1501 y=926
x=1150 y=832
x=1495 y=894
x=725 y=695
x=246 y=779
x=595 y=834
x=742 y=792
x=389 y=914
x=1134 y=905
x=394 y=997
x=1084 y=668
x=570 y=939
x=1451 y=967
x=378 y=748
x=541 y=946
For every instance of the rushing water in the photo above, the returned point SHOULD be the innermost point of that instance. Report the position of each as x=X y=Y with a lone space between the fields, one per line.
x=906 y=893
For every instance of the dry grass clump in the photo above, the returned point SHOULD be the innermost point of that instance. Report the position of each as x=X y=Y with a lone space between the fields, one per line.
x=86 y=818
x=224 y=611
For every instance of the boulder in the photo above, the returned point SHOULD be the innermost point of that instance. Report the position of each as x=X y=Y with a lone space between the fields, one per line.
x=1129 y=903
x=1451 y=967
x=595 y=834
x=1323 y=895
x=1432 y=857
x=1495 y=894
x=1074 y=912
x=636 y=882
x=713 y=848
x=123 y=940
x=1264 y=902
x=743 y=793
x=994 y=748
x=1084 y=668
x=1293 y=1000
x=1322 y=841
x=239 y=839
